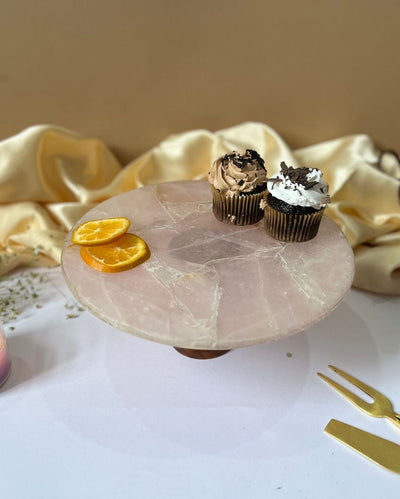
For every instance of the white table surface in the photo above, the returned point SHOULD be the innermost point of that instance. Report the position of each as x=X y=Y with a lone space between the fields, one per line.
x=92 y=412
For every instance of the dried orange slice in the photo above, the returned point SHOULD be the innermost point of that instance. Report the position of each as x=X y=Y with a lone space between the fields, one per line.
x=100 y=231
x=124 y=253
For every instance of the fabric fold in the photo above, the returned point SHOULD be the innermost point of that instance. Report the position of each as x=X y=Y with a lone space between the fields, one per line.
x=50 y=176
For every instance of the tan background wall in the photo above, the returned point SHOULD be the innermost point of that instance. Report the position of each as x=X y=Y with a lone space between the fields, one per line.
x=133 y=72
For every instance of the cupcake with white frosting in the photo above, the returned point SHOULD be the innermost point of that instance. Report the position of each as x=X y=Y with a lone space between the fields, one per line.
x=295 y=203
x=238 y=182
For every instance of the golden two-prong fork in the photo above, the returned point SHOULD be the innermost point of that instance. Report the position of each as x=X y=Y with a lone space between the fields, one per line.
x=380 y=407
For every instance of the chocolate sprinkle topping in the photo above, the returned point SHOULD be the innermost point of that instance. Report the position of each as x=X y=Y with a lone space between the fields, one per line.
x=241 y=160
x=297 y=175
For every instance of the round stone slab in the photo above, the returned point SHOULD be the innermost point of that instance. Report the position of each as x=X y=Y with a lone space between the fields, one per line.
x=209 y=285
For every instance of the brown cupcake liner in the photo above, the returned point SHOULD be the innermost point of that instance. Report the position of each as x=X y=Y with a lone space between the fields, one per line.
x=237 y=210
x=291 y=227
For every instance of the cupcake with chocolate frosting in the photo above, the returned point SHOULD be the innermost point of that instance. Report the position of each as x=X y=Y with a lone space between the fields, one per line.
x=295 y=203
x=238 y=183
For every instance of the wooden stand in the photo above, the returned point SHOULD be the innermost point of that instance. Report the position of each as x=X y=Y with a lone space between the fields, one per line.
x=201 y=354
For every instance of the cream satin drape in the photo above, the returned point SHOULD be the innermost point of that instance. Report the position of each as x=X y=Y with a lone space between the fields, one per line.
x=49 y=177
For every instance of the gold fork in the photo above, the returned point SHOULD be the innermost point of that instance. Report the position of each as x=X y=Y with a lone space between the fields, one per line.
x=380 y=407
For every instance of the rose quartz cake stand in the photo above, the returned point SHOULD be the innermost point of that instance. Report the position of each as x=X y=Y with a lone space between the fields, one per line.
x=209 y=287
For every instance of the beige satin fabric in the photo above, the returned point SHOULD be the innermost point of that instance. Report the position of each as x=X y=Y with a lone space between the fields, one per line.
x=49 y=177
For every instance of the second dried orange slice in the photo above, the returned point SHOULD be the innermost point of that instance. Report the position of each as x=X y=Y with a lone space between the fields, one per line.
x=100 y=231
x=124 y=253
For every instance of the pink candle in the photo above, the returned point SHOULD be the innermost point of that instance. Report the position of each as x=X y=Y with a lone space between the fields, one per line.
x=5 y=363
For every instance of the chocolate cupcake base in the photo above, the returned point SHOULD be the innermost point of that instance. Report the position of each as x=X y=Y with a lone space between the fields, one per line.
x=237 y=210
x=294 y=225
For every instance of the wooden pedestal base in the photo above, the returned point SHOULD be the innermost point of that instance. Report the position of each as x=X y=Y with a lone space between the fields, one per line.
x=201 y=354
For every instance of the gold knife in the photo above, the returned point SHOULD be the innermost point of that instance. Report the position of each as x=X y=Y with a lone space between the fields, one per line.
x=380 y=451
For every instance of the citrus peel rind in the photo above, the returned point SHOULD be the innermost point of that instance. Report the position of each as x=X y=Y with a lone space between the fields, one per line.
x=126 y=252
x=94 y=232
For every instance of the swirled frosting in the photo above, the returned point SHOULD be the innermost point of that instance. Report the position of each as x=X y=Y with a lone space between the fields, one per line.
x=238 y=173
x=299 y=187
